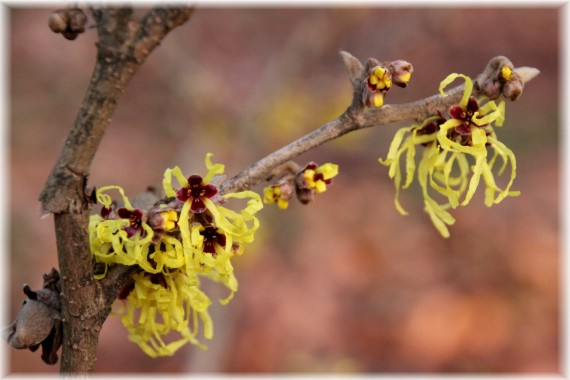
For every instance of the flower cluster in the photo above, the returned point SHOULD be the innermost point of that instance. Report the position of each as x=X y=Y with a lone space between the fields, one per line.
x=450 y=142
x=177 y=241
x=305 y=183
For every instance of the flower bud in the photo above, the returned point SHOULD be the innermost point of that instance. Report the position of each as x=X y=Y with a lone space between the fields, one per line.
x=279 y=193
x=492 y=89
x=512 y=89
x=163 y=219
x=77 y=20
x=58 y=21
x=68 y=22
x=401 y=72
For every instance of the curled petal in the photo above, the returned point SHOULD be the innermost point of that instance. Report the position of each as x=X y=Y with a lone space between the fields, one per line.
x=106 y=200
x=213 y=169
x=167 y=180
x=466 y=92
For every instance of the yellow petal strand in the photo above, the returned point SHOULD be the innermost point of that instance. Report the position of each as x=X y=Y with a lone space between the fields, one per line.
x=213 y=169
x=397 y=182
x=410 y=160
x=475 y=178
x=501 y=113
x=395 y=145
x=436 y=212
x=511 y=156
x=106 y=200
x=466 y=91
x=491 y=187
x=439 y=217
x=167 y=180
x=185 y=233
x=479 y=138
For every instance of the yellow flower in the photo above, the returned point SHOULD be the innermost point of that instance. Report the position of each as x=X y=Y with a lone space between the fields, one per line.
x=449 y=145
x=173 y=244
x=318 y=177
x=378 y=83
x=380 y=78
x=237 y=228
x=163 y=303
x=119 y=236
x=279 y=193
x=274 y=194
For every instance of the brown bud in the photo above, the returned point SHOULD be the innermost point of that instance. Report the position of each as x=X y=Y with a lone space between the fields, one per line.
x=491 y=88
x=58 y=21
x=39 y=321
x=304 y=193
x=68 y=22
x=401 y=72
x=513 y=89
x=77 y=20
x=69 y=35
x=305 y=196
x=32 y=325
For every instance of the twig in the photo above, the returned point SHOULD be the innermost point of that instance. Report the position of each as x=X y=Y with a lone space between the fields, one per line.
x=354 y=118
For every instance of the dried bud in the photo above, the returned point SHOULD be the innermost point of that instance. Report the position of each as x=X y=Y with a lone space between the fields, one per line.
x=32 y=326
x=77 y=20
x=69 y=35
x=305 y=196
x=58 y=21
x=39 y=321
x=68 y=22
x=491 y=88
x=513 y=87
x=401 y=72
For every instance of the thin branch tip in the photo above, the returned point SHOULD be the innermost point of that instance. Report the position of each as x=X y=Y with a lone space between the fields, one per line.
x=527 y=73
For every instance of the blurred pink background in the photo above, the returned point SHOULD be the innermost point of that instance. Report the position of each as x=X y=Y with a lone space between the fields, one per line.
x=345 y=284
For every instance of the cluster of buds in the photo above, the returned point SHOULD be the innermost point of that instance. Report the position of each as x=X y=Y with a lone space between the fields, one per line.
x=378 y=80
x=175 y=241
x=305 y=183
x=500 y=78
x=372 y=81
x=68 y=22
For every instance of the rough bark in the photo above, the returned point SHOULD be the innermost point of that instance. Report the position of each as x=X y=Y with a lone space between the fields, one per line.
x=124 y=44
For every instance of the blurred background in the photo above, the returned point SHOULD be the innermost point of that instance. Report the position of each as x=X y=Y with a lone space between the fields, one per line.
x=345 y=284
